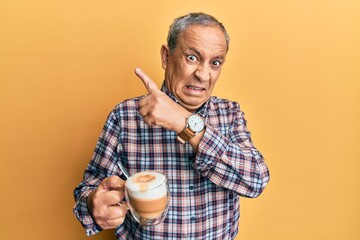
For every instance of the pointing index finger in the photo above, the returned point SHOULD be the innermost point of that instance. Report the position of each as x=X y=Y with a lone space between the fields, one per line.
x=148 y=82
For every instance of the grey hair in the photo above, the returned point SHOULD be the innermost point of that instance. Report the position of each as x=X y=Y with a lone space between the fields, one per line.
x=182 y=23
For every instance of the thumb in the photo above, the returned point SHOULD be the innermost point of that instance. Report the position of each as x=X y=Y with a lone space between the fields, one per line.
x=112 y=183
x=149 y=84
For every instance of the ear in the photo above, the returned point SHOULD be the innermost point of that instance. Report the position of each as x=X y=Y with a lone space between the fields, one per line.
x=165 y=53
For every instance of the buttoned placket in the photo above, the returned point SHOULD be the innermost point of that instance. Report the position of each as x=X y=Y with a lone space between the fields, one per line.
x=191 y=217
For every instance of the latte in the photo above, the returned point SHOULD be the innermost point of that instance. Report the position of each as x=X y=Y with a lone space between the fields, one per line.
x=147 y=192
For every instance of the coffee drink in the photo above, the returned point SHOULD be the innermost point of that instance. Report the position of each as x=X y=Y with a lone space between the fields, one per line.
x=147 y=195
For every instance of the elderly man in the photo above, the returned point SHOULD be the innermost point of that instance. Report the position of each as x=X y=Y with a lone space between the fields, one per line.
x=200 y=142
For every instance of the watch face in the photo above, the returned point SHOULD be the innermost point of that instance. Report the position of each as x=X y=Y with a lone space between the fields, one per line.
x=196 y=123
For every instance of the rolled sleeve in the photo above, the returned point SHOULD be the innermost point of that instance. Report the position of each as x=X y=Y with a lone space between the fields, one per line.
x=211 y=150
x=229 y=158
x=101 y=166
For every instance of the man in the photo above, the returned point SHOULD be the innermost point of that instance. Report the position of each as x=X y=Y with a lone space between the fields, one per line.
x=198 y=141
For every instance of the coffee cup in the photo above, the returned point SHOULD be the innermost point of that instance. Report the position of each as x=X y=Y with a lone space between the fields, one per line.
x=147 y=195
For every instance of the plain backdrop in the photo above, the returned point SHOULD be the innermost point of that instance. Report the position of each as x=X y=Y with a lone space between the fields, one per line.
x=294 y=67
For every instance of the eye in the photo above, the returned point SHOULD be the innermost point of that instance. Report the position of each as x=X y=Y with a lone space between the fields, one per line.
x=217 y=63
x=191 y=58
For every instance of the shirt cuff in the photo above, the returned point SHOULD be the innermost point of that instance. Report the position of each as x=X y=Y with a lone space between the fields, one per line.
x=82 y=213
x=211 y=149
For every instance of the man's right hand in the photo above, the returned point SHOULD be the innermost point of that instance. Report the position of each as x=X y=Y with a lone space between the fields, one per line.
x=103 y=203
x=157 y=108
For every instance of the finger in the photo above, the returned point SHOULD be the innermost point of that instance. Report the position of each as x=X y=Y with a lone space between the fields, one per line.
x=112 y=183
x=112 y=223
x=149 y=84
x=112 y=197
x=124 y=205
x=115 y=212
x=149 y=120
x=144 y=101
x=144 y=111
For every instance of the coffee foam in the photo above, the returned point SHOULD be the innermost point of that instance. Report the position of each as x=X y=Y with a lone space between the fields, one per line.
x=146 y=185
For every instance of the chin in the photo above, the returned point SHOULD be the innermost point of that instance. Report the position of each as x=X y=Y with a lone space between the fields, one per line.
x=194 y=106
x=192 y=102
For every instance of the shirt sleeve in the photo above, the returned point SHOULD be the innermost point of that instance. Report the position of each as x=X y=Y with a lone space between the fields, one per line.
x=102 y=165
x=232 y=161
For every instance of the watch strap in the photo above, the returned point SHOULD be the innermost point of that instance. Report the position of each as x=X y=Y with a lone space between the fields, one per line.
x=185 y=135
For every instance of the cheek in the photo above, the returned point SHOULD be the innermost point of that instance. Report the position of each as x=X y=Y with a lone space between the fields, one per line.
x=213 y=82
x=216 y=75
x=184 y=70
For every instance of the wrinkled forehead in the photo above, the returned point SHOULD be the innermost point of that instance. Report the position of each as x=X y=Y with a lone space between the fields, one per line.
x=207 y=38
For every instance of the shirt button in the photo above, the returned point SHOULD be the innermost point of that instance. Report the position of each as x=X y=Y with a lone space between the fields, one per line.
x=191 y=187
x=192 y=218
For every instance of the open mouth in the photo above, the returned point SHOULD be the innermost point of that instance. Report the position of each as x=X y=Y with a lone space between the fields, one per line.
x=195 y=88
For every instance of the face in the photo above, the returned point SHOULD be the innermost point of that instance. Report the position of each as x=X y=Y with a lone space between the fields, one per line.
x=194 y=66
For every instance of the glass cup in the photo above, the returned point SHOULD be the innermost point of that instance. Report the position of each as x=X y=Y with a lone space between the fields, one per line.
x=147 y=195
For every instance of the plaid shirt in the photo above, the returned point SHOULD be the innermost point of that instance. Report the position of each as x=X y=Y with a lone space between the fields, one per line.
x=205 y=185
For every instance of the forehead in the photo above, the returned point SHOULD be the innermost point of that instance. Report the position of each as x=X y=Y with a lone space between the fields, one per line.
x=207 y=39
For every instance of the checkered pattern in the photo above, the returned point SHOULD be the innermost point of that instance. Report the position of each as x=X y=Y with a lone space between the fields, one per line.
x=205 y=186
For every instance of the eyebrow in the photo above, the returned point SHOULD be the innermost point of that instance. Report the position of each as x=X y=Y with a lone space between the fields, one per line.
x=198 y=53
x=194 y=50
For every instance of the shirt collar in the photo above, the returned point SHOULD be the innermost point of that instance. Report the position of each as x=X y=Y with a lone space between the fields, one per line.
x=202 y=110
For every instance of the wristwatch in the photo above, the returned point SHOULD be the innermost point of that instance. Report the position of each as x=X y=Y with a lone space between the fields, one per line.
x=194 y=124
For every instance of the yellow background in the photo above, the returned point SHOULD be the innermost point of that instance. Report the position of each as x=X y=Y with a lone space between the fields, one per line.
x=294 y=66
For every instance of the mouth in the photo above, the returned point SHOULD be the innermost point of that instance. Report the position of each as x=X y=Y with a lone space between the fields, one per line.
x=195 y=88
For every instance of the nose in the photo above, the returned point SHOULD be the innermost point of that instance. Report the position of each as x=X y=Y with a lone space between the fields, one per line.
x=203 y=73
